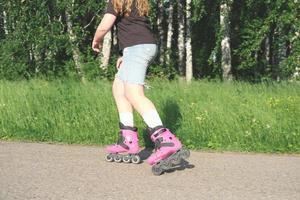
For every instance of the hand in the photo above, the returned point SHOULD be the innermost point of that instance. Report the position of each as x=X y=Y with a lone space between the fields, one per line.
x=119 y=62
x=96 y=46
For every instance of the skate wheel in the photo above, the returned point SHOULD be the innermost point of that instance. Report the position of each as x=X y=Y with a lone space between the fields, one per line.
x=109 y=158
x=135 y=159
x=156 y=170
x=118 y=158
x=126 y=159
x=185 y=153
x=176 y=161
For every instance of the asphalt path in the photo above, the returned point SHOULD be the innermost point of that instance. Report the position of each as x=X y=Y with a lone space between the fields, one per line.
x=61 y=172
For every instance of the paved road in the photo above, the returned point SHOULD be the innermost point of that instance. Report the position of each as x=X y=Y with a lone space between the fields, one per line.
x=45 y=171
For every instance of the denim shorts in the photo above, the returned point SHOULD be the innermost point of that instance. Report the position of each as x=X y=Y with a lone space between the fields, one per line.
x=136 y=60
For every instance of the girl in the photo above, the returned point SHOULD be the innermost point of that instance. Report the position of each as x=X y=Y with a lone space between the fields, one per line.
x=137 y=49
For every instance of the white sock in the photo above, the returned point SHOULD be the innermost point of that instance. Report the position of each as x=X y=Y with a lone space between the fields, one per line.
x=126 y=118
x=152 y=119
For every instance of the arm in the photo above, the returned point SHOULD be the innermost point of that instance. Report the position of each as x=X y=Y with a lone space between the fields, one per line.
x=104 y=27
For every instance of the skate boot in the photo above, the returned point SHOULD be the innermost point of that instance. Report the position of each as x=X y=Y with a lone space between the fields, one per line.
x=168 y=152
x=126 y=149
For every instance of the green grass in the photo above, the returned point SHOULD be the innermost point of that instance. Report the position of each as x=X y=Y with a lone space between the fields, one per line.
x=204 y=115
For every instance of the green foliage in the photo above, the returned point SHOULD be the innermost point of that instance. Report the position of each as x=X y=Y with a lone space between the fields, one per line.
x=37 y=43
x=13 y=61
x=272 y=24
x=34 y=41
x=234 y=117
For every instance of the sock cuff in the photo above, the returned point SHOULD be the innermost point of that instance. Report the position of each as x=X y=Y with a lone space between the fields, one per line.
x=126 y=118
x=125 y=114
x=152 y=118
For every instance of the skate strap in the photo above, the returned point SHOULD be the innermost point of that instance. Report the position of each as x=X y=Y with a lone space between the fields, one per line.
x=160 y=132
x=123 y=127
x=158 y=143
x=121 y=142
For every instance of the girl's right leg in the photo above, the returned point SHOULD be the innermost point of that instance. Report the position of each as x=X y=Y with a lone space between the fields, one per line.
x=127 y=148
x=124 y=107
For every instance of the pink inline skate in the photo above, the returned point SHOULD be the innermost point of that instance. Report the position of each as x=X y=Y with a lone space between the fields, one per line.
x=168 y=150
x=127 y=147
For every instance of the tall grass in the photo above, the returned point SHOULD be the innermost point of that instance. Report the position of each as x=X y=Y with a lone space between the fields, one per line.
x=204 y=115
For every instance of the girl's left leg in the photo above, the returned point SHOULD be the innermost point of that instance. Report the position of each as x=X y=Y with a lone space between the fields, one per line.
x=168 y=149
x=144 y=106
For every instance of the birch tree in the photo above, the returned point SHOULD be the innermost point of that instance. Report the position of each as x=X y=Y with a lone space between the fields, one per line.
x=225 y=39
x=115 y=37
x=189 y=54
x=170 y=31
x=106 y=50
x=73 y=41
x=180 y=39
x=5 y=22
x=160 y=16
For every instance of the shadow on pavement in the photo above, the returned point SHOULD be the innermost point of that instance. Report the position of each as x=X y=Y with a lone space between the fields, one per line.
x=184 y=165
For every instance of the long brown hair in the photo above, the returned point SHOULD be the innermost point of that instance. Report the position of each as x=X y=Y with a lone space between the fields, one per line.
x=124 y=6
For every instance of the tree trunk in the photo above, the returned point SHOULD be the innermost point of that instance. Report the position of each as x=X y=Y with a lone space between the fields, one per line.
x=160 y=17
x=225 y=43
x=267 y=51
x=170 y=32
x=189 y=54
x=181 y=32
x=106 y=50
x=115 y=37
x=73 y=40
x=5 y=22
x=293 y=40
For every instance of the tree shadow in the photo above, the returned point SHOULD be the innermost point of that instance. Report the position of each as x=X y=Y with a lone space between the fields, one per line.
x=171 y=118
x=171 y=115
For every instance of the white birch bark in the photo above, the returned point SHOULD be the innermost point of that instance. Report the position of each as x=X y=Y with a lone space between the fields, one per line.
x=5 y=22
x=75 y=49
x=189 y=53
x=267 y=49
x=170 y=32
x=181 y=32
x=160 y=30
x=225 y=43
x=267 y=52
x=36 y=57
x=106 y=50
x=115 y=36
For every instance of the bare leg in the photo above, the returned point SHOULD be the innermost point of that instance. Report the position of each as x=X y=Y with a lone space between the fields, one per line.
x=135 y=95
x=124 y=107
